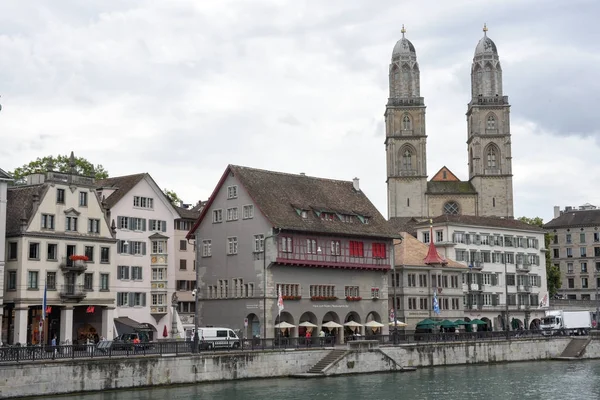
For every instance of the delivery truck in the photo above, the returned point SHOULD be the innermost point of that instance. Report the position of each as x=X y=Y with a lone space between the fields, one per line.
x=563 y=322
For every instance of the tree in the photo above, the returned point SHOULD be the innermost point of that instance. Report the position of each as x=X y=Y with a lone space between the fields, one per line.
x=552 y=271
x=59 y=163
x=173 y=197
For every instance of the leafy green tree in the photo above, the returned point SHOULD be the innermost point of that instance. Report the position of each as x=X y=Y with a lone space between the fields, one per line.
x=60 y=163
x=552 y=271
x=173 y=197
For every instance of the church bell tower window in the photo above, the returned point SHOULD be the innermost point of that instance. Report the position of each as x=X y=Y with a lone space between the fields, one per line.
x=406 y=123
x=491 y=158
x=407 y=160
x=491 y=122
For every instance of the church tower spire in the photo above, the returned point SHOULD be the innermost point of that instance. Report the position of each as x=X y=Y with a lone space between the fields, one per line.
x=406 y=140
x=488 y=141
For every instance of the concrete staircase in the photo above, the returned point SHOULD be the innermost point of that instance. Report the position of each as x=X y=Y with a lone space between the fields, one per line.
x=327 y=361
x=575 y=348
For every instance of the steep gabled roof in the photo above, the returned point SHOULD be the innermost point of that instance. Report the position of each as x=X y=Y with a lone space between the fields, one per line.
x=575 y=218
x=450 y=187
x=20 y=205
x=473 y=220
x=4 y=176
x=439 y=176
x=281 y=196
x=187 y=214
x=122 y=184
x=411 y=253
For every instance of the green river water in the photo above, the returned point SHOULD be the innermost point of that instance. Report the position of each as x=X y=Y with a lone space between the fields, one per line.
x=527 y=380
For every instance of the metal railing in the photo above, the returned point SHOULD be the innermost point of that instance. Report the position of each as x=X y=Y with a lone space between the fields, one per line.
x=109 y=349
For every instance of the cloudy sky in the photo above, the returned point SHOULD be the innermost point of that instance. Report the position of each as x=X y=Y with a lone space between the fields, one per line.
x=182 y=88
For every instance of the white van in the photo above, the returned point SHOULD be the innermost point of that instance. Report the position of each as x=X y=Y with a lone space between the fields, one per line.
x=212 y=338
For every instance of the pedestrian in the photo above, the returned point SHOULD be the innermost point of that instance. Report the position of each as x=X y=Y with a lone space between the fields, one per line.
x=136 y=342
x=53 y=344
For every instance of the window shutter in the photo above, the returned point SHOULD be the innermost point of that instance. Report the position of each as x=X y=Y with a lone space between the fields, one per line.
x=144 y=299
x=164 y=226
x=144 y=248
x=143 y=224
x=131 y=299
x=119 y=220
x=152 y=224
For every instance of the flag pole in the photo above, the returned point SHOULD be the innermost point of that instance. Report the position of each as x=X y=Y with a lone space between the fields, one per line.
x=44 y=305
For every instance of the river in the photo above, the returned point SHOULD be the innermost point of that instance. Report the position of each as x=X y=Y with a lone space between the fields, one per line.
x=527 y=380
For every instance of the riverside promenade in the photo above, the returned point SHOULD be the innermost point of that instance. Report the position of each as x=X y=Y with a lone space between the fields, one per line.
x=143 y=369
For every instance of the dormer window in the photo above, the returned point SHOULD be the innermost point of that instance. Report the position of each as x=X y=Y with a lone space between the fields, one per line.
x=326 y=216
x=304 y=214
x=346 y=218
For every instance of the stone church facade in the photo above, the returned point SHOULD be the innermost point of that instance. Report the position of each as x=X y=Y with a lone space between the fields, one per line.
x=488 y=192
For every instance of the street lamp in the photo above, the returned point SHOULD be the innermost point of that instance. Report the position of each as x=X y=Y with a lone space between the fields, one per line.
x=264 y=251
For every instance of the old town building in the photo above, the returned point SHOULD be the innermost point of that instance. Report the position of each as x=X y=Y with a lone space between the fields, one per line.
x=5 y=179
x=321 y=242
x=575 y=250
x=59 y=241
x=144 y=277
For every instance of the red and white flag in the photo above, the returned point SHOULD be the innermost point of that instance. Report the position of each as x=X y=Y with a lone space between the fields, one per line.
x=280 y=301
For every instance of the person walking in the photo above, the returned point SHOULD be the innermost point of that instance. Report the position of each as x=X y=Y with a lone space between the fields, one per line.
x=53 y=344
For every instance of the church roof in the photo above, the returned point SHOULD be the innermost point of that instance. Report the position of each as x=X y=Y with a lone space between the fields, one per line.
x=444 y=175
x=450 y=187
x=486 y=46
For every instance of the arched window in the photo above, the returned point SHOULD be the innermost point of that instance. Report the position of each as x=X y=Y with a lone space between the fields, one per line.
x=491 y=157
x=451 y=208
x=491 y=122
x=406 y=123
x=407 y=160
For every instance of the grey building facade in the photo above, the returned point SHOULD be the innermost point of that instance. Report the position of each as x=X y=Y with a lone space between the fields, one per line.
x=320 y=242
x=575 y=250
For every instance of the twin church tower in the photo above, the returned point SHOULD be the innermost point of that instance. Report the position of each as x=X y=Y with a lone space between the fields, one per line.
x=488 y=192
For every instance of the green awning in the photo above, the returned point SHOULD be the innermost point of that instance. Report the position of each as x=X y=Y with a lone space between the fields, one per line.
x=448 y=324
x=461 y=322
x=427 y=322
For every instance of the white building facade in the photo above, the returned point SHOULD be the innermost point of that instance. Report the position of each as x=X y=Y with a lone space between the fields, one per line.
x=5 y=179
x=507 y=267
x=144 y=278
x=58 y=240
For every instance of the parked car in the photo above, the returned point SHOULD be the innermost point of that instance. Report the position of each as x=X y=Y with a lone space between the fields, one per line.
x=125 y=341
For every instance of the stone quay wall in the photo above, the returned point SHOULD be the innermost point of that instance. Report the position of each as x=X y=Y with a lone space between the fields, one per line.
x=86 y=375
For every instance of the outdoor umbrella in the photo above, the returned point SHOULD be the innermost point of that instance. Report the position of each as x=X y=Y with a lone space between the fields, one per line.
x=307 y=324
x=331 y=325
x=426 y=322
x=165 y=332
x=461 y=322
x=399 y=324
x=352 y=324
x=284 y=325
x=374 y=324
x=448 y=324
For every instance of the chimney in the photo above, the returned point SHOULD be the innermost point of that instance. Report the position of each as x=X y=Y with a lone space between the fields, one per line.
x=302 y=173
x=355 y=184
x=556 y=211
